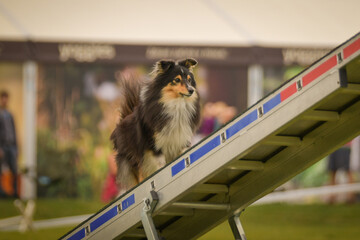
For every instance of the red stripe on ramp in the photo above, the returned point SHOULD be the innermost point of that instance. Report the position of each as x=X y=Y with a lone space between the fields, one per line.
x=320 y=70
x=287 y=92
x=352 y=48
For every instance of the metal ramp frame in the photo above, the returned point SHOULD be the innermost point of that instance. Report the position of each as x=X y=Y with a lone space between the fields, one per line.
x=301 y=122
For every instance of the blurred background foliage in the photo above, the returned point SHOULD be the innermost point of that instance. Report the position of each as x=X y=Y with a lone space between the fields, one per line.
x=73 y=131
x=77 y=110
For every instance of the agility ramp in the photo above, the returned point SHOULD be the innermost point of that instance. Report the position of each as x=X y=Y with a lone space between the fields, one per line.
x=301 y=122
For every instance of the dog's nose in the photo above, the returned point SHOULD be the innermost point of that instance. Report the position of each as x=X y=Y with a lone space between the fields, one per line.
x=191 y=91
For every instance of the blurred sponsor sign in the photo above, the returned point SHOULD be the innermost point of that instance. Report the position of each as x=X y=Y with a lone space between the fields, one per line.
x=83 y=52
x=86 y=52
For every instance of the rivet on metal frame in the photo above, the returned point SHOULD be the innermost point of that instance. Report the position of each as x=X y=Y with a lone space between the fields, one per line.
x=260 y=111
x=147 y=204
x=223 y=137
x=87 y=230
x=119 y=208
x=153 y=185
x=187 y=162
x=299 y=85
x=339 y=57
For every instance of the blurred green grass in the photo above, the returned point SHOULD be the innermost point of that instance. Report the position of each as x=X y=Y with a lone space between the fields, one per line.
x=42 y=234
x=274 y=221
x=53 y=208
x=283 y=221
x=46 y=209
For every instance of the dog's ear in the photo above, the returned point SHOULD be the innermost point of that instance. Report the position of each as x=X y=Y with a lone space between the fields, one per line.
x=189 y=63
x=162 y=66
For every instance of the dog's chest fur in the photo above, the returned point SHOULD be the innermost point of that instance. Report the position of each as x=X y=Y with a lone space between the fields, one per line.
x=177 y=133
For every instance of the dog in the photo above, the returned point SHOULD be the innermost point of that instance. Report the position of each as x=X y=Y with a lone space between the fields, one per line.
x=158 y=118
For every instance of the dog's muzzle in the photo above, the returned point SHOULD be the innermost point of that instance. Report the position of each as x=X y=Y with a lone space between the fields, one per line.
x=190 y=89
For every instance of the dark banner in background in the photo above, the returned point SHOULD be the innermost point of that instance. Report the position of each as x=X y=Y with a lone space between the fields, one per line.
x=147 y=54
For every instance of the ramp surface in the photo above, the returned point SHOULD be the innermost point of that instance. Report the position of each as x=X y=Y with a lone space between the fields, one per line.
x=301 y=122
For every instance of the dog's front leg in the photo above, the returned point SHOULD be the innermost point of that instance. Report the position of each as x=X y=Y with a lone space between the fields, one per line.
x=151 y=163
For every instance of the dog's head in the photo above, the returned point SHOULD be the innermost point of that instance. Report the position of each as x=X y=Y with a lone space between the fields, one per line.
x=176 y=79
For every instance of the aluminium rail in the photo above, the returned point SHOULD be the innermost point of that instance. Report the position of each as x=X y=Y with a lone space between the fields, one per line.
x=302 y=121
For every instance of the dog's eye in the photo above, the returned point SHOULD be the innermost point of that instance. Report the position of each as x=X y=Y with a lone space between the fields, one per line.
x=177 y=80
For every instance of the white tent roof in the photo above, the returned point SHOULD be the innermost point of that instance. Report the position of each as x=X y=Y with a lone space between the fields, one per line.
x=203 y=22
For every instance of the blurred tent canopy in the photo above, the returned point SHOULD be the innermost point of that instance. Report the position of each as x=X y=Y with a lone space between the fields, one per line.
x=306 y=23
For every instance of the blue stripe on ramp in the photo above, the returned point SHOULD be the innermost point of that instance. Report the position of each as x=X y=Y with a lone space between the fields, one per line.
x=205 y=149
x=242 y=123
x=79 y=235
x=128 y=202
x=272 y=103
x=103 y=218
x=178 y=167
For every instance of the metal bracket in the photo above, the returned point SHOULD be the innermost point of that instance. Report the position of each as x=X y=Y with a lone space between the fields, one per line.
x=146 y=218
x=236 y=227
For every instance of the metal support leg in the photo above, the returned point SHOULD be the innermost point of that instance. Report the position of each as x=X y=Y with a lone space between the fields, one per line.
x=146 y=218
x=236 y=227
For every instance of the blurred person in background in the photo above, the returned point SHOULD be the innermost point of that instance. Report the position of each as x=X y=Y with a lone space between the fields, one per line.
x=208 y=120
x=340 y=160
x=8 y=146
x=223 y=113
x=214 y=116
x=110 y=188
x=227 y=114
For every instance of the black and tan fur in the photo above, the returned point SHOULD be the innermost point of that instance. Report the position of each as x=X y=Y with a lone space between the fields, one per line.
x=158 y=120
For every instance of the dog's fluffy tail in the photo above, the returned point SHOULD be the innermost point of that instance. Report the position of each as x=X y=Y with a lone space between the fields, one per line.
x=131 y=87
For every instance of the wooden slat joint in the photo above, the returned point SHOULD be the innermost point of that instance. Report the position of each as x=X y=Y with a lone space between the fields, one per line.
x=320 y=115
x=283 y=141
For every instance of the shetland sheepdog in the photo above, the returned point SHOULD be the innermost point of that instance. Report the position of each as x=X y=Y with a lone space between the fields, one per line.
x=158 y=118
